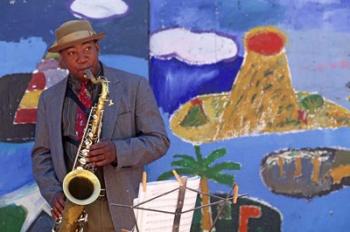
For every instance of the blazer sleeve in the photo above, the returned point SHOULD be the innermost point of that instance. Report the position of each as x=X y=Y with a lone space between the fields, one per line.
x=42 y=164
x=151 y=141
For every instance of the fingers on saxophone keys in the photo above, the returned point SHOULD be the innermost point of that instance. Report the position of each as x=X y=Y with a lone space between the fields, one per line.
x=96 y=158
x=59 y=206
x=100 y=160
x=55 y=214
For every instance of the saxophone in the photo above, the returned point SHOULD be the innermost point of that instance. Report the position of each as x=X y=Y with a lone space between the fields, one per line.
x=81 y=186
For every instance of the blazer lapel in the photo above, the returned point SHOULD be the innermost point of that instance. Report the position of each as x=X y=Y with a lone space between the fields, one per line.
x=111 y=111
x=55 y=112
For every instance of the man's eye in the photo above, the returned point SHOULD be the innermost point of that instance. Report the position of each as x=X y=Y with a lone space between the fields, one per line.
x=87 y=48
x=70 y=53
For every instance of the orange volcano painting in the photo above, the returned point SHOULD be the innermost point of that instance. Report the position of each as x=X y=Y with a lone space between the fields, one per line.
x=262 y=99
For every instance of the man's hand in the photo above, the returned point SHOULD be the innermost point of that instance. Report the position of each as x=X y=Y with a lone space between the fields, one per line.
x=102 y=153
x=57 y=206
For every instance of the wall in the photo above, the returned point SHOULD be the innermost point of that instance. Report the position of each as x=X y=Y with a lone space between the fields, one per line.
x=252 y=92
x=26 y=70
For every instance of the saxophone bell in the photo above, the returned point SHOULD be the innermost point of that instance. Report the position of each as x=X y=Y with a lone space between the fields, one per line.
x=81 y=186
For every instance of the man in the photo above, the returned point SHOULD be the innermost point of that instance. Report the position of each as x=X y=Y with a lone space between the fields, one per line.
x=132 y=135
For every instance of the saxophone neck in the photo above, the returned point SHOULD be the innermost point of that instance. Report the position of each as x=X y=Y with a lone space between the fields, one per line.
x=99 y=80
x=105 y=89
x=90 y=76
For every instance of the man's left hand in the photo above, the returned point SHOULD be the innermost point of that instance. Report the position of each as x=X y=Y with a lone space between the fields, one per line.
x=102 y=153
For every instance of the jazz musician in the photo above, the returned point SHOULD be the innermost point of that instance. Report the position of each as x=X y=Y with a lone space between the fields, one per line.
x=132 y=130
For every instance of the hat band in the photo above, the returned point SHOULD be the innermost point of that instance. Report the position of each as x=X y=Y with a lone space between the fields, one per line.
x=75 y=36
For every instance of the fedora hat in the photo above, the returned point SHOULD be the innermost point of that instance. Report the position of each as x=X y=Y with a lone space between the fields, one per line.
x=72 y=32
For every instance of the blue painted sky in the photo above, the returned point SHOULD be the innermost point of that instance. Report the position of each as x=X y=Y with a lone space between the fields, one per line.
x=24 y=19
x=23 y=57
x=235 y=17
x=318 y=32
x=326 y=213
x=240 y=15
x=15 y=166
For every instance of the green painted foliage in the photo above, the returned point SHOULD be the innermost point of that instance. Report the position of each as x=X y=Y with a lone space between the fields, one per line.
x=203 y=166
x=12 y=218
x=195 y=117
x=312 y=102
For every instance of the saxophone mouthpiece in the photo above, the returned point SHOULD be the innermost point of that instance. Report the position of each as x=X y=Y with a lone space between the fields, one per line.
x=88 y=74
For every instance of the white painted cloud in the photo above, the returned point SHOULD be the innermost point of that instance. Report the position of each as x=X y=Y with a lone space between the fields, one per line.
x=192 y=47
x=99 y=8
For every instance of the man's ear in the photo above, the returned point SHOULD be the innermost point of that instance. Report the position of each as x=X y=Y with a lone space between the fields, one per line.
x=97 y=47
x=61 y=63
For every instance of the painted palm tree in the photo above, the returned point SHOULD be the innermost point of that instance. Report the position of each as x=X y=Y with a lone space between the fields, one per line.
x=207 y=170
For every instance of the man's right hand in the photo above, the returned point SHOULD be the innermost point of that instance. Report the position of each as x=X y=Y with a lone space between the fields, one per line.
x=57 y=205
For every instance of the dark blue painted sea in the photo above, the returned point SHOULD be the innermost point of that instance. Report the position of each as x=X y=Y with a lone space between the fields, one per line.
x=175 y=82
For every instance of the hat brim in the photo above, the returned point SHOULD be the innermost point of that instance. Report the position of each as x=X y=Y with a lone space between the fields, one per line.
x=59 y=47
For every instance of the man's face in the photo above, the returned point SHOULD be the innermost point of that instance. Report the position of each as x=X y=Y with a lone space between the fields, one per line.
x=80 y=57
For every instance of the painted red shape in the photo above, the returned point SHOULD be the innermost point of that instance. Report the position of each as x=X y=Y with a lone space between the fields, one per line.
x=38 y=81
x=24 y=116
x=196 y=101
x=245 y=213
x=266 y=43
x=302 y=116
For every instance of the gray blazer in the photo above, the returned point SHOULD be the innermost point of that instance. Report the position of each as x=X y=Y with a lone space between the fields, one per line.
x=134 y=125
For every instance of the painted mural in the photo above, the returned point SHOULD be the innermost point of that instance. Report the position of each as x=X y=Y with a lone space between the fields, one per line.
x=268 y=81
x=26 y=69
x=254 y=93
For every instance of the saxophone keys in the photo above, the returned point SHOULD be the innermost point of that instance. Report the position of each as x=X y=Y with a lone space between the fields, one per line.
x=87 y=143
x=84 y=153
x=83 y=160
